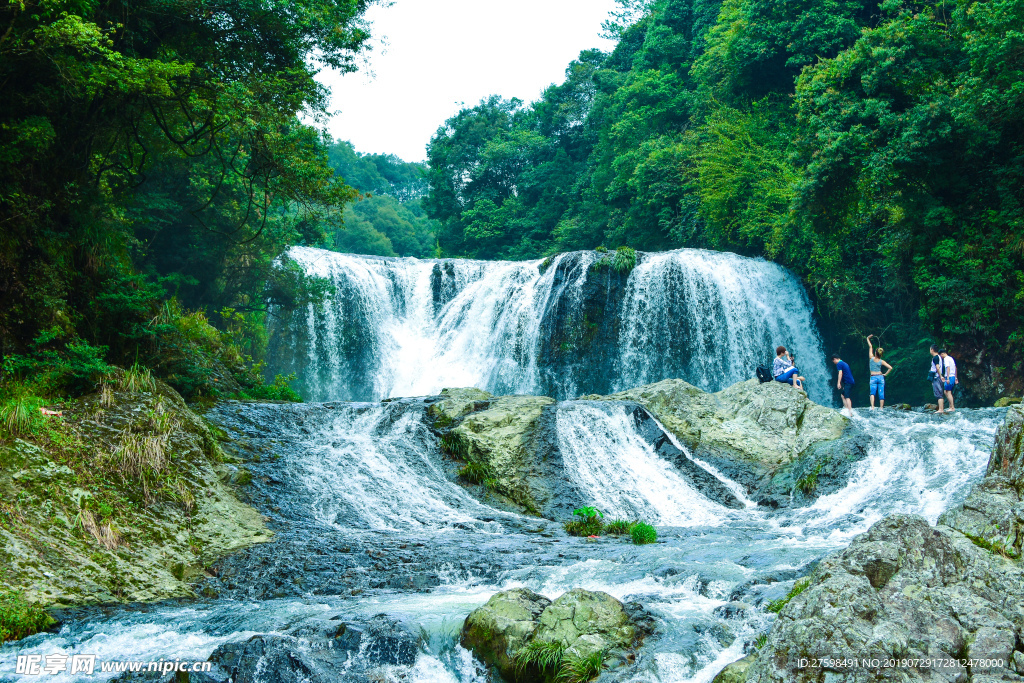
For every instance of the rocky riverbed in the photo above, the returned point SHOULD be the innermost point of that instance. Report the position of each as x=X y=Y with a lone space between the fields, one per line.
x=372 y=514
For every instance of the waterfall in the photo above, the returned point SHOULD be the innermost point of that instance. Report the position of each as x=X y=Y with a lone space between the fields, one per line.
x=562 y=327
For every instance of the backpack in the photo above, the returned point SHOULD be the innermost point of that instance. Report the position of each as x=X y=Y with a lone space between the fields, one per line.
x=764 y=374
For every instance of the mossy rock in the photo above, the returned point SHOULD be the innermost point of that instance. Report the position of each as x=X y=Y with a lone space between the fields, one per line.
x=1007 y=401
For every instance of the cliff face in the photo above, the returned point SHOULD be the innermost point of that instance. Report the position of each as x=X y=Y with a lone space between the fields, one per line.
x=122 y=498
x=906 y=590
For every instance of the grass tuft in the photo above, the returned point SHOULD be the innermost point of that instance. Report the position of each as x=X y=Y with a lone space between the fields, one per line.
x=476 y=473
x=799 y=587
x=643 y=533
x=575 y=669
x=624 y=261
x=136 y=380
x=590 y=522
x=19 y=415
x=545 y=656
x=619 y=527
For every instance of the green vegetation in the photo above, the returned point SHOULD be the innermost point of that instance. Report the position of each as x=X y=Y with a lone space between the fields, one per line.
x=799 y=587
x=154 y=167
x=550 y=660
x=618 y=527
x=590 y=522
x=643 y=533
x=476 y=473
x=544 y=656
x=576 y=669
x=20 y=618
x=809 y=481
x=872 y=147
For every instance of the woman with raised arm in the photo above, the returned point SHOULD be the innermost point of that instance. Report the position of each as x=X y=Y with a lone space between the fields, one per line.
x=875 y=364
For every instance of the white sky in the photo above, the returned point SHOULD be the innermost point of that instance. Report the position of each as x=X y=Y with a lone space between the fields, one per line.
x=441 y=55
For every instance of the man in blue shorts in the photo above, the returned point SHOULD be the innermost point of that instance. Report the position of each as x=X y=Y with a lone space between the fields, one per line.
x=844 y=382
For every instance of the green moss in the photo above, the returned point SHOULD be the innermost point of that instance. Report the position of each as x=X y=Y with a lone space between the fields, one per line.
x=997 y=547
x=19 y=618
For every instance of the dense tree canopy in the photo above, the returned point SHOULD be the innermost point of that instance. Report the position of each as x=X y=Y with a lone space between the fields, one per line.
x=151 y=148
x=876 y=148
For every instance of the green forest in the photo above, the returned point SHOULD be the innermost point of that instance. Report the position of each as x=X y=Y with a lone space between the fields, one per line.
x=875 y=148
x=159 y=156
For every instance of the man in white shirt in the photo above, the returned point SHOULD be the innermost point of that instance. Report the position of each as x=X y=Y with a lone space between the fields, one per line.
x=949 y=371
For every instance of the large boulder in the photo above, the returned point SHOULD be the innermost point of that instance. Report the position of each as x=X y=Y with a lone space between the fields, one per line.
x=750 y=431
x=583 y=622
x=499 y=629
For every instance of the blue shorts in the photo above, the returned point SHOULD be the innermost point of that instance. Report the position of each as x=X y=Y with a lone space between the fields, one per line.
x=950 y=384
x=788 y=376
x=878 y=387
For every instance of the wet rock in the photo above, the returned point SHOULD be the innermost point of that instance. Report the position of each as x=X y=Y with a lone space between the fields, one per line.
x=1007 y=401
x=749 y=431
x=389 y=642
x=453 y=404
x=584 y=622
x=502 y=626
x=269 y=658
x=903 y=589
x=735 y=672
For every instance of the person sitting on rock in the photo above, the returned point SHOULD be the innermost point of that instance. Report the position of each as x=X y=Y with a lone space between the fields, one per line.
x=783 y=369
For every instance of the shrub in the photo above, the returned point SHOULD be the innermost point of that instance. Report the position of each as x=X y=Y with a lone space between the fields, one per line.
x=20 y=618
x=624 y=261
x=591 y=522
x=643 y=533
x=278 y=391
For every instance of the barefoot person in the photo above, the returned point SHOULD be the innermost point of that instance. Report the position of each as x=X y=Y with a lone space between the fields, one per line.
x=783 y=369
x=935 y=374
x=875 y=364
x=844 y=382
x=949 y=374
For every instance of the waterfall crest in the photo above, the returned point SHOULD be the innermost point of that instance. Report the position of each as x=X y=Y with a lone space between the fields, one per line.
x=562 y=327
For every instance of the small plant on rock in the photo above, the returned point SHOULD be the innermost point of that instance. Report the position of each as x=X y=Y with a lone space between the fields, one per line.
x=20 y=618
x=618 y=527
x=624 y=261
x=643 y=533
x=575 y=669
x=798 y=588
x=590 y=522
x=476 y=473
x=546 y=656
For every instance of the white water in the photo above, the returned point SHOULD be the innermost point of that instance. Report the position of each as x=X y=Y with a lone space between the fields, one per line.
x=410 y=327
x=360 y=456
x=620 y=472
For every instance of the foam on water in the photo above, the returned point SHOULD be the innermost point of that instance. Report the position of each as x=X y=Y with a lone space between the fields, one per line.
x=613 y=465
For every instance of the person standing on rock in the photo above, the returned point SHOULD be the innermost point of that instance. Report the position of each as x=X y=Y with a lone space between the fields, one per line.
x=783 y=369
x=935 y=374
x=949 y=377
x=844 y=383
x=875 y=364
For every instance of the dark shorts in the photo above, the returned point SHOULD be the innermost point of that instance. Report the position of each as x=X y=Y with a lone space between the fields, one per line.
x=937 y=387
x=847 y=391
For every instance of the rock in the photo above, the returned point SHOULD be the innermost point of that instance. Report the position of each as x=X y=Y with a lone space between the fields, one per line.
x=1006 y=402
x=748 y=431
x=501 y=439
x=584 y=622
x=456 y=403
x=268 y=658
x=502 y=626
x=903 y=589
x=735 y=672
x=388 y=642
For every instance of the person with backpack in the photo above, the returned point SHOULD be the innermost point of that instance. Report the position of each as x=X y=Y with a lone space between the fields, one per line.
x=844 y=383
x=935 y=374
x=784 y=371
x=875 y=365
x=949 y=374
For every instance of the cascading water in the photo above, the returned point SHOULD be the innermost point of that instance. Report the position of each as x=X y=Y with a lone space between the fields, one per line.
x=365 y=480
x=408 y=327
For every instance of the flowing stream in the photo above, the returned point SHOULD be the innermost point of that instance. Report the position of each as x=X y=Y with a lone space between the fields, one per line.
x=368 y=516
x=369 y=477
